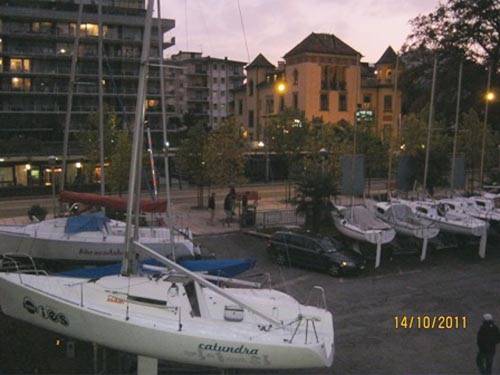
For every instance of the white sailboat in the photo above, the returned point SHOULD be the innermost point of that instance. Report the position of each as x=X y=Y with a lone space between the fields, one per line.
x=450 y=221
x=101 y=242
x=360 y=224
x=478 y=207
x=179 y=316
x=404 y=221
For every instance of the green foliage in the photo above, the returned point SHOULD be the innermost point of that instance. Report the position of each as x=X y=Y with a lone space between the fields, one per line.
x=470 y=140
x=224 y=155
x=414 y=141
x=89 y=139
x=314 y=190
x=117 y=173
x=213 y=158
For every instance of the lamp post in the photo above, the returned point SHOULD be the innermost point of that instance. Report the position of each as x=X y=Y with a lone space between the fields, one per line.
x=488 y=97
x=52 y=163
x=323 y=152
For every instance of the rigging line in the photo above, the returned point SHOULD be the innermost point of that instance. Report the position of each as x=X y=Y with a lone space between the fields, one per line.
x=243 y=29
x=186 y=23
x=205 y=25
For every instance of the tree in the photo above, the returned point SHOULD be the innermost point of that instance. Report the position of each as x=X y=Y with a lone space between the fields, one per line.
x=225 y=155
x=314 y=190
x=456 y=30
x=119 y=168
x=89 y=139
x=191 y=156
x=414 y=143
x=471 y=27
x=470 y=138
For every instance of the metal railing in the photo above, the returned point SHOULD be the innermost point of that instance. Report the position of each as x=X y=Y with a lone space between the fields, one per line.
x=273 y=218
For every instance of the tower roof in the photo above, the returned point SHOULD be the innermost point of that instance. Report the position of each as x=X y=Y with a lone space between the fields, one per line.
x=322 y=43
x=260 y=62
x=388 y=57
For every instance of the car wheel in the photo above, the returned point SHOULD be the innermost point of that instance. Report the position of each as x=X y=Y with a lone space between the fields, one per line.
x=334 y=270
x=280 y=259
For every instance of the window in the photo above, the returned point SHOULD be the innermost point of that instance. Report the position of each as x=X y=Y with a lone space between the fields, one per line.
x=215 y=79
x=20 y=65
x=342 y=102
x=62 y=29
x=250 y=119
x=215 y=66
x=222 y=93
x=240 y=107
x=323 y=102
x=41 y=27
x=387 y=103
x=89 y=29
x=295 y=77
x=269 y=105
x=250 y=87
x=367 y=99
x=223 y=80
x=215 y=106
x=295 y=100
x=282 y=103
x=21 y=84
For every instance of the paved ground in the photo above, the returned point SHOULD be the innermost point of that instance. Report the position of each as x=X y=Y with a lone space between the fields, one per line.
x=449 y=283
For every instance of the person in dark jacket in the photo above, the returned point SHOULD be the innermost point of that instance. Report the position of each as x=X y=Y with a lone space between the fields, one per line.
x=211 y=207
x=487 y=339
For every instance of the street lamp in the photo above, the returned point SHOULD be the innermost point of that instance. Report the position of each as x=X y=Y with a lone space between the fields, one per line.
x=490 y=96
x=52 y=162
x=281 y=87
x=323 y=152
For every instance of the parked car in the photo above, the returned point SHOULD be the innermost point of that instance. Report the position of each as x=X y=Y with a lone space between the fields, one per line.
x=305 y=249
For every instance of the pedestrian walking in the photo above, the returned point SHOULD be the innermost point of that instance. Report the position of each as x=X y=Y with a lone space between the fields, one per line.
x=211 y=208
x=228 y=209
x=487 y=339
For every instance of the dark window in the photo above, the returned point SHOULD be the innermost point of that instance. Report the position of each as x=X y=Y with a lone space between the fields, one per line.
x=342 y=102
x=387 y=103
x=240 y=107
x=250 y=87
x=250 y=119
x=323 y=102
x=282 y=103
x=295 y=77
x=367 y=99
x=295 y=100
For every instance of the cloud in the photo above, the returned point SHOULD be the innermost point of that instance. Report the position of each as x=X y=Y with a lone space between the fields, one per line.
x=273 y=27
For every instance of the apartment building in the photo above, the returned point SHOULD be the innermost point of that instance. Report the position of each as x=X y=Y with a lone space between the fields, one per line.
x=208 y=85
x=36 y=45
x=324 y=78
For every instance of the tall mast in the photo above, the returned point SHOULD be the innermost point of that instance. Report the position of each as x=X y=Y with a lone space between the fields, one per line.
x=394 y=124
x=429 y=124
x=166 y=144
x=355 y=128
x=101 y=95
x=71 y=88
x=457 y=118
x=140 y=111
x=485 y=128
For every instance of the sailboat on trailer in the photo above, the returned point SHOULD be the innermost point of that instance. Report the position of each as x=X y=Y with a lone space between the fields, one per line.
x=178 y=316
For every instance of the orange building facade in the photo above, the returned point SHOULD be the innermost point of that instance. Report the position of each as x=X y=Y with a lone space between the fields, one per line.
x=323 y=78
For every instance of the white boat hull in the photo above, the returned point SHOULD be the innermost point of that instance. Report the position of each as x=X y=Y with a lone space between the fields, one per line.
x=370 y=236
x=193 y=344
x=49 y=242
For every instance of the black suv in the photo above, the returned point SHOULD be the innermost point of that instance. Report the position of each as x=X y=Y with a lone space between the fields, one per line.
x=308 y=250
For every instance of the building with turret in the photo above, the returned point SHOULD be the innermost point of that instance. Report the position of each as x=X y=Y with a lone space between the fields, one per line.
x=324 y=78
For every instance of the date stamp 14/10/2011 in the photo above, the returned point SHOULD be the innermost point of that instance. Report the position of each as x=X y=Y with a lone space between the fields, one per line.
x=439 y=322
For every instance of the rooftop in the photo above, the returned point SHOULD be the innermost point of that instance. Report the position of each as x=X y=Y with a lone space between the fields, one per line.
x=388 y=57
x=260 y=62
x=324 y=44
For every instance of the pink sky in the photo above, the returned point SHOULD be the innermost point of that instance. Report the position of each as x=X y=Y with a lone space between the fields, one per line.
x=273 y=27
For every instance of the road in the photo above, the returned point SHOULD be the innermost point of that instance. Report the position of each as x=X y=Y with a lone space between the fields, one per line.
x=18 y=206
